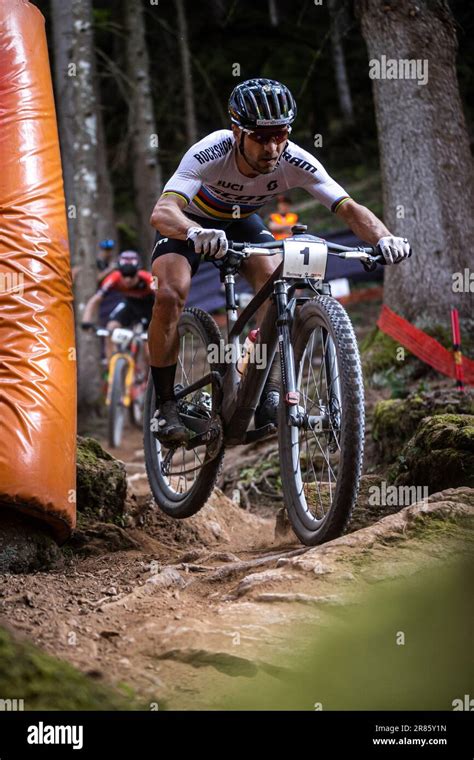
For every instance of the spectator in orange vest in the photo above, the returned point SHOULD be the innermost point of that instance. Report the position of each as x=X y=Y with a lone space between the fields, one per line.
x=281 y=222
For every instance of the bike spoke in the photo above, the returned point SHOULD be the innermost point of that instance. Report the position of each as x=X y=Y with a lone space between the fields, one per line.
x=316 y=481
x=180 y=467
x=180 y=362
x=318 y=385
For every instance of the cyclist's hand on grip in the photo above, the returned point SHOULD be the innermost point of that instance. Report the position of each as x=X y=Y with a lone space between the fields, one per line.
x=208 y=242
x=394 y=249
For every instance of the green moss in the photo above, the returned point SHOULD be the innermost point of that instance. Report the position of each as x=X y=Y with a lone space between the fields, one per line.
x=101 y=481
x=89 y=450
x=457 y=529
x=378 y=351
x=440 y=455
x=396 y=420
x=384 y=366
x=46 y=683
x=247 y=475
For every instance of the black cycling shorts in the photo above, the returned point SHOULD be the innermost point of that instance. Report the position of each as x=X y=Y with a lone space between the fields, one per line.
x=131 y=310
x=249 y=230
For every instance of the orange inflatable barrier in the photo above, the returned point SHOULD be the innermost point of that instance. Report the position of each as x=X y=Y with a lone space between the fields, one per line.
x=37 y=346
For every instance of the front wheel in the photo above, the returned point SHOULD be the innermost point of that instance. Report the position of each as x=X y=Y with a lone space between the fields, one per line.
x=117 y=409
x=321 y=462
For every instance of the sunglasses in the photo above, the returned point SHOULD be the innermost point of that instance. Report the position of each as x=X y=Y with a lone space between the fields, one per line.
x=263 y=136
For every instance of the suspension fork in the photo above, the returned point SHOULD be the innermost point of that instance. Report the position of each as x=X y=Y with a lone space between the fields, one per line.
x=291 y=395
x=285 y=347
x=231 y=376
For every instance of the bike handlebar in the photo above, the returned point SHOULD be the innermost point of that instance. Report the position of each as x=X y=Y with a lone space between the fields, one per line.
x=103 y=332
x=237 y=249
x=369 y=256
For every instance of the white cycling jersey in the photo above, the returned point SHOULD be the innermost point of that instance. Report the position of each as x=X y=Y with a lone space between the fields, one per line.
x=210 y=181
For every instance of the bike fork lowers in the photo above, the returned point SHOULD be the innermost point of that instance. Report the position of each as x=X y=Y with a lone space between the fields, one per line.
x=285 y=348
x=296 y=416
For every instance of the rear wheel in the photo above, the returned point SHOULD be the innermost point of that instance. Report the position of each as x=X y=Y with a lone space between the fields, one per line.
x=321 y=462
x=117 y=409
x=182 y=480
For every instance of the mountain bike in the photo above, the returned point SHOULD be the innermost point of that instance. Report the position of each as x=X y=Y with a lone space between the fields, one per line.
x=127 y=378
x=321 y=410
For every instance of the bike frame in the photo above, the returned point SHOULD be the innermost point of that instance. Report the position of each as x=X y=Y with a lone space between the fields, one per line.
x=237 y=399
x=241 y=398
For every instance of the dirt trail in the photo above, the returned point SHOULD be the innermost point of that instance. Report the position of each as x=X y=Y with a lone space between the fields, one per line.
x=183 y=611
x=112 y=613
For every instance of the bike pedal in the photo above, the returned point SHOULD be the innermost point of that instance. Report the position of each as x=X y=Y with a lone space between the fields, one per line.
x=258 y=433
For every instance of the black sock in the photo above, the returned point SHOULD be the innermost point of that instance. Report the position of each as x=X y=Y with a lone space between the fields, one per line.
x=273 y=380
x=163 y=380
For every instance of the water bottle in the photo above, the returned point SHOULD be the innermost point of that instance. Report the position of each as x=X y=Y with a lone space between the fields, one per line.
x=247 y=350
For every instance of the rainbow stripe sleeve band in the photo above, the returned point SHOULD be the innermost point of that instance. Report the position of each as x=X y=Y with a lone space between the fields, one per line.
x=176 y=192
x=337 y=204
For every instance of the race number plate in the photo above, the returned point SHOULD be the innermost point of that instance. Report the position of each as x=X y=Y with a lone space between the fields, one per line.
x=305 y=258
x=121 y=334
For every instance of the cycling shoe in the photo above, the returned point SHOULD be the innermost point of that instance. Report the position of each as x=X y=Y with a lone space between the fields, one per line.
x=267 y=411
x=167 y=425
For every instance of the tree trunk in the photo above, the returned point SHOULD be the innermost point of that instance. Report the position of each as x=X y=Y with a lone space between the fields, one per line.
x=190 y=114
x=62 y=39
x=339 y=63
x=273 y=12
x=106 y=222
x=85 y=160
x=146 y=167
x=61 y=14
x=425 y=158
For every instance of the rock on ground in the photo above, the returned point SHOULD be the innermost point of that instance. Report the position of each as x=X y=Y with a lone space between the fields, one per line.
x=440 y=455
x=396 y=420
x=101 y=481
x=26 y=545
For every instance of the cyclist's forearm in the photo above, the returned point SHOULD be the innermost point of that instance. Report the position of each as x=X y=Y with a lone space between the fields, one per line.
x=362 y=222
x=169 y=220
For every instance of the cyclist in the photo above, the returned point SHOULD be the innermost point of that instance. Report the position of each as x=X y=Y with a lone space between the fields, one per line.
x=215 y=194
x=104 y=261
x=106 y=264
x=135 y=286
